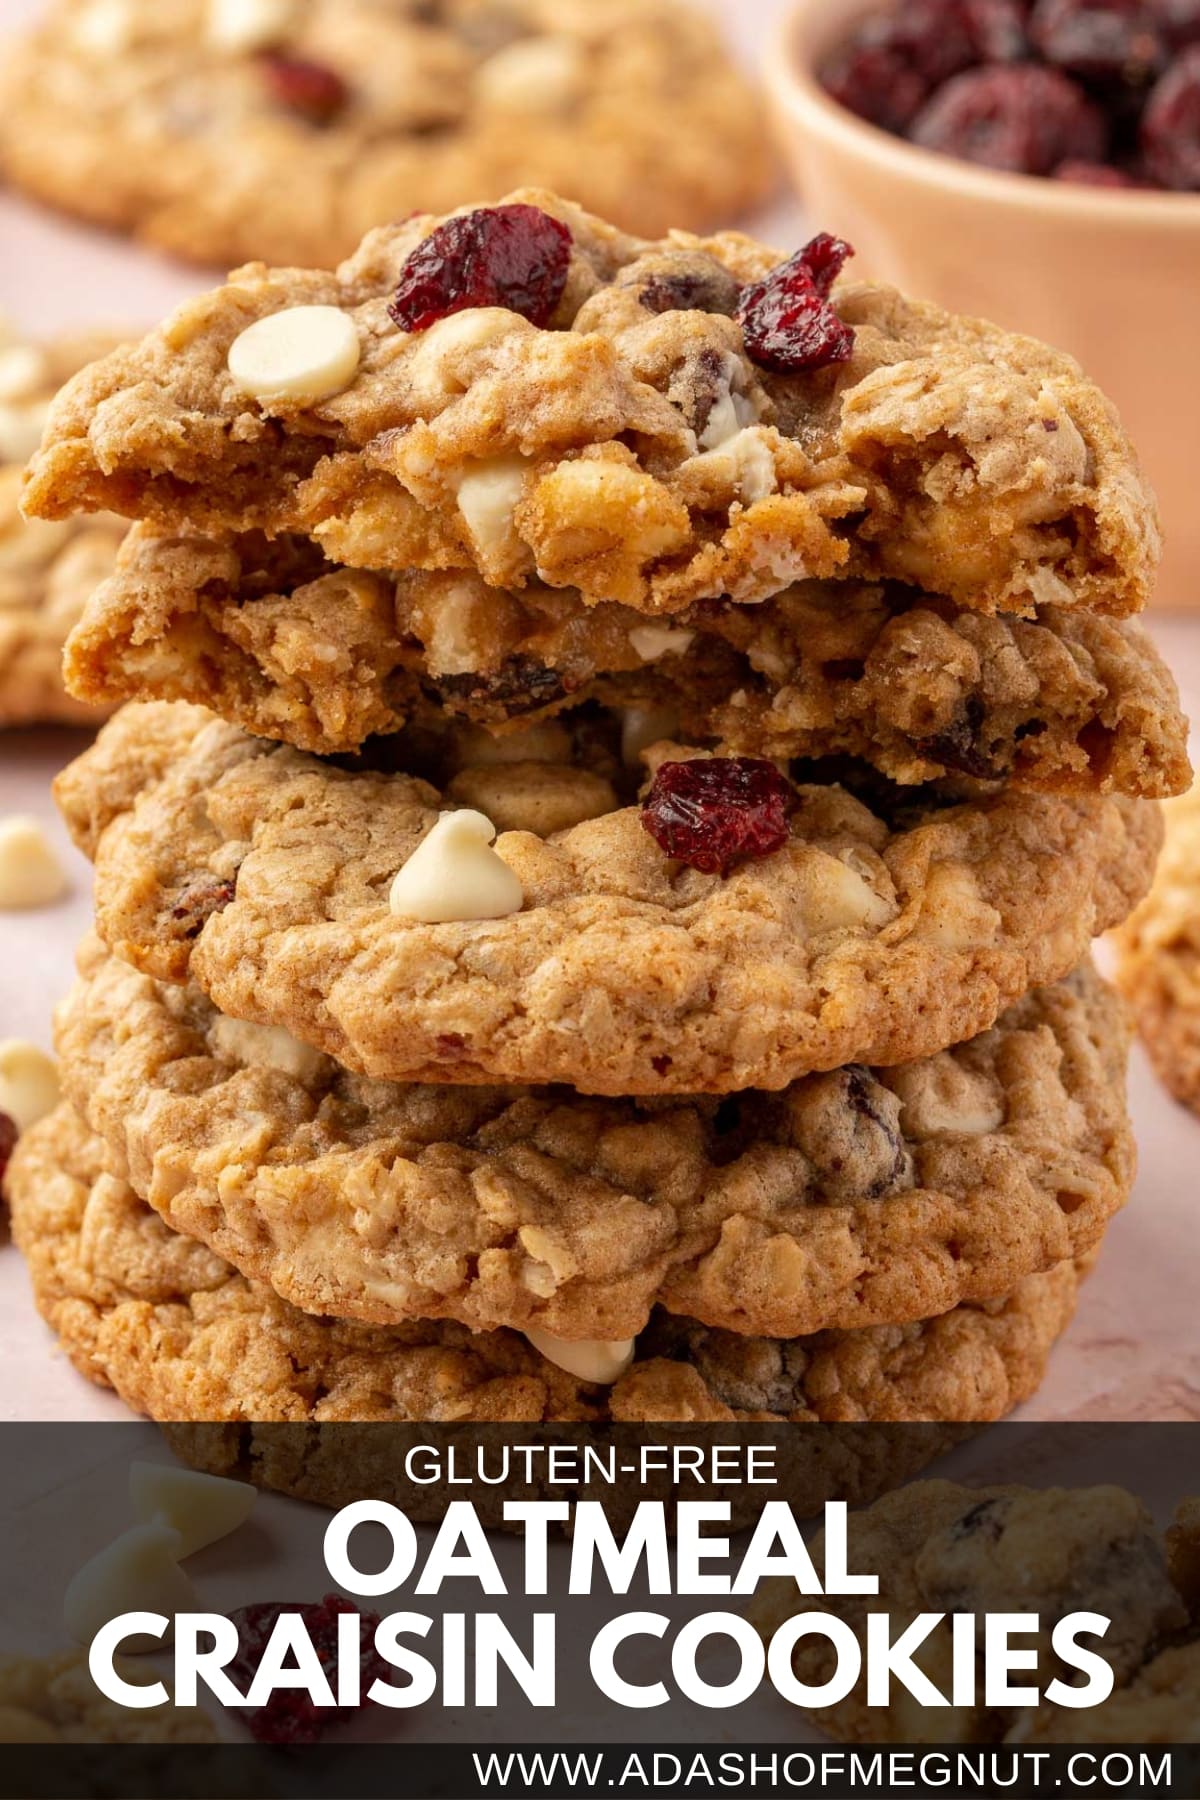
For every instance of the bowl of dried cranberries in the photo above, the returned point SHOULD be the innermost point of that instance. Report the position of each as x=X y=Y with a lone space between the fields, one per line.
x=1036 y=162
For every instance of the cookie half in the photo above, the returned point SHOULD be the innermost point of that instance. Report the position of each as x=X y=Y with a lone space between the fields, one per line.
x=48 y=569
x=1158 y=961
x=938 y=1547
x=850 y=1199
x=618 y=421
x=274 y=638
x=877 y=933
x=225 y=129
x=181 y=1336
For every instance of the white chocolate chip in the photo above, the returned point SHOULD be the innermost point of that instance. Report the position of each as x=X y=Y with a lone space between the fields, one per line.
x=30 y=872
x=836 y=898
x=487 y=495
x=536 y=74
x=744 y=462
x=29 y=1087
x=651 y=642
x=454 y=874
x=600 y=1360
x=137 y=1572
x=23 y=370
x=198 y=1508
x=105 y=27
x=642 y=726
x=237 y=25
x=432 y=368
x=303 y=354
x=21 y=428
x=265 y=1047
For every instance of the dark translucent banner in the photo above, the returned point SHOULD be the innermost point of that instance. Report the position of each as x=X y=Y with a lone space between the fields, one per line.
x=424 y=1611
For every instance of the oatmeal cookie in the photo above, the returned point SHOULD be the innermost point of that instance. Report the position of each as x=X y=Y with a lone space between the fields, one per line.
x=181 y=1336
x=875 y=933
x=222 y=129
x=1158 y=963
x=47 y=568
x=938 y=1547
x=275 y=639
x=851 y=1199
x=616 y=417
x=53 y=1700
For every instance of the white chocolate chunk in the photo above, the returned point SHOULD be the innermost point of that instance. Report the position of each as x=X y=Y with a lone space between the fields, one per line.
x=265 y=1047
x=30 y=872
x=237 y=25
x=535 y=74
x=487 y=495
x=836 y=898
x=28 y=1083
x=602 y=1360
x=137 y=1572
x=940 y=1096
x=454 y=874
x=954 y=914
x=730 y=414
x=744 y=462
x=652 y=642
x=303 y=354
x=198 y=1508
x=21 y=428
x=105 y=27
x=23 y=370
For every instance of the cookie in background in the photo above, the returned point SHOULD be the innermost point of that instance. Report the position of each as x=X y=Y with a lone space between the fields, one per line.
x=228 y=129
x=48 y=569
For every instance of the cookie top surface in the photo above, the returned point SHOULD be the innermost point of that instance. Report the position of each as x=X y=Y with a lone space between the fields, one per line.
x=115 y=1284
x=851 y=1199
x=628 y=445
x=874 y=936
x=48 y=568
x=222 y=129
x=939 y=1547
x=274 y=638
x=1158 y=962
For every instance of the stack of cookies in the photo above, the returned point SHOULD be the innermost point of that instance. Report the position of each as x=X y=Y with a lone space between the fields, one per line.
x=628 y=747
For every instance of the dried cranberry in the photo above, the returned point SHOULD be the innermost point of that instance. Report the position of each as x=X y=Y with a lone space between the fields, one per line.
x=1103 y=175
x=305 y=87
x=290 y=1717
x=787 y=321
x=1098 y=38
x=894 y=61
x=1021 y=118
x=999 y=29
x=201 y=901
x=876 y=83
x=1171 y=125
x=515 y=256
x=715 y=812
x=8 y=1142
x=1178 y=20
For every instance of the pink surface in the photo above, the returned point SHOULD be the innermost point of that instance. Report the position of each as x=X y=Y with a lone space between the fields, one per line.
x=1134 y=1350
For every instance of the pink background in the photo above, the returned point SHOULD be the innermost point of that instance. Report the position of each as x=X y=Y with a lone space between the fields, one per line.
x=1133 y=1351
